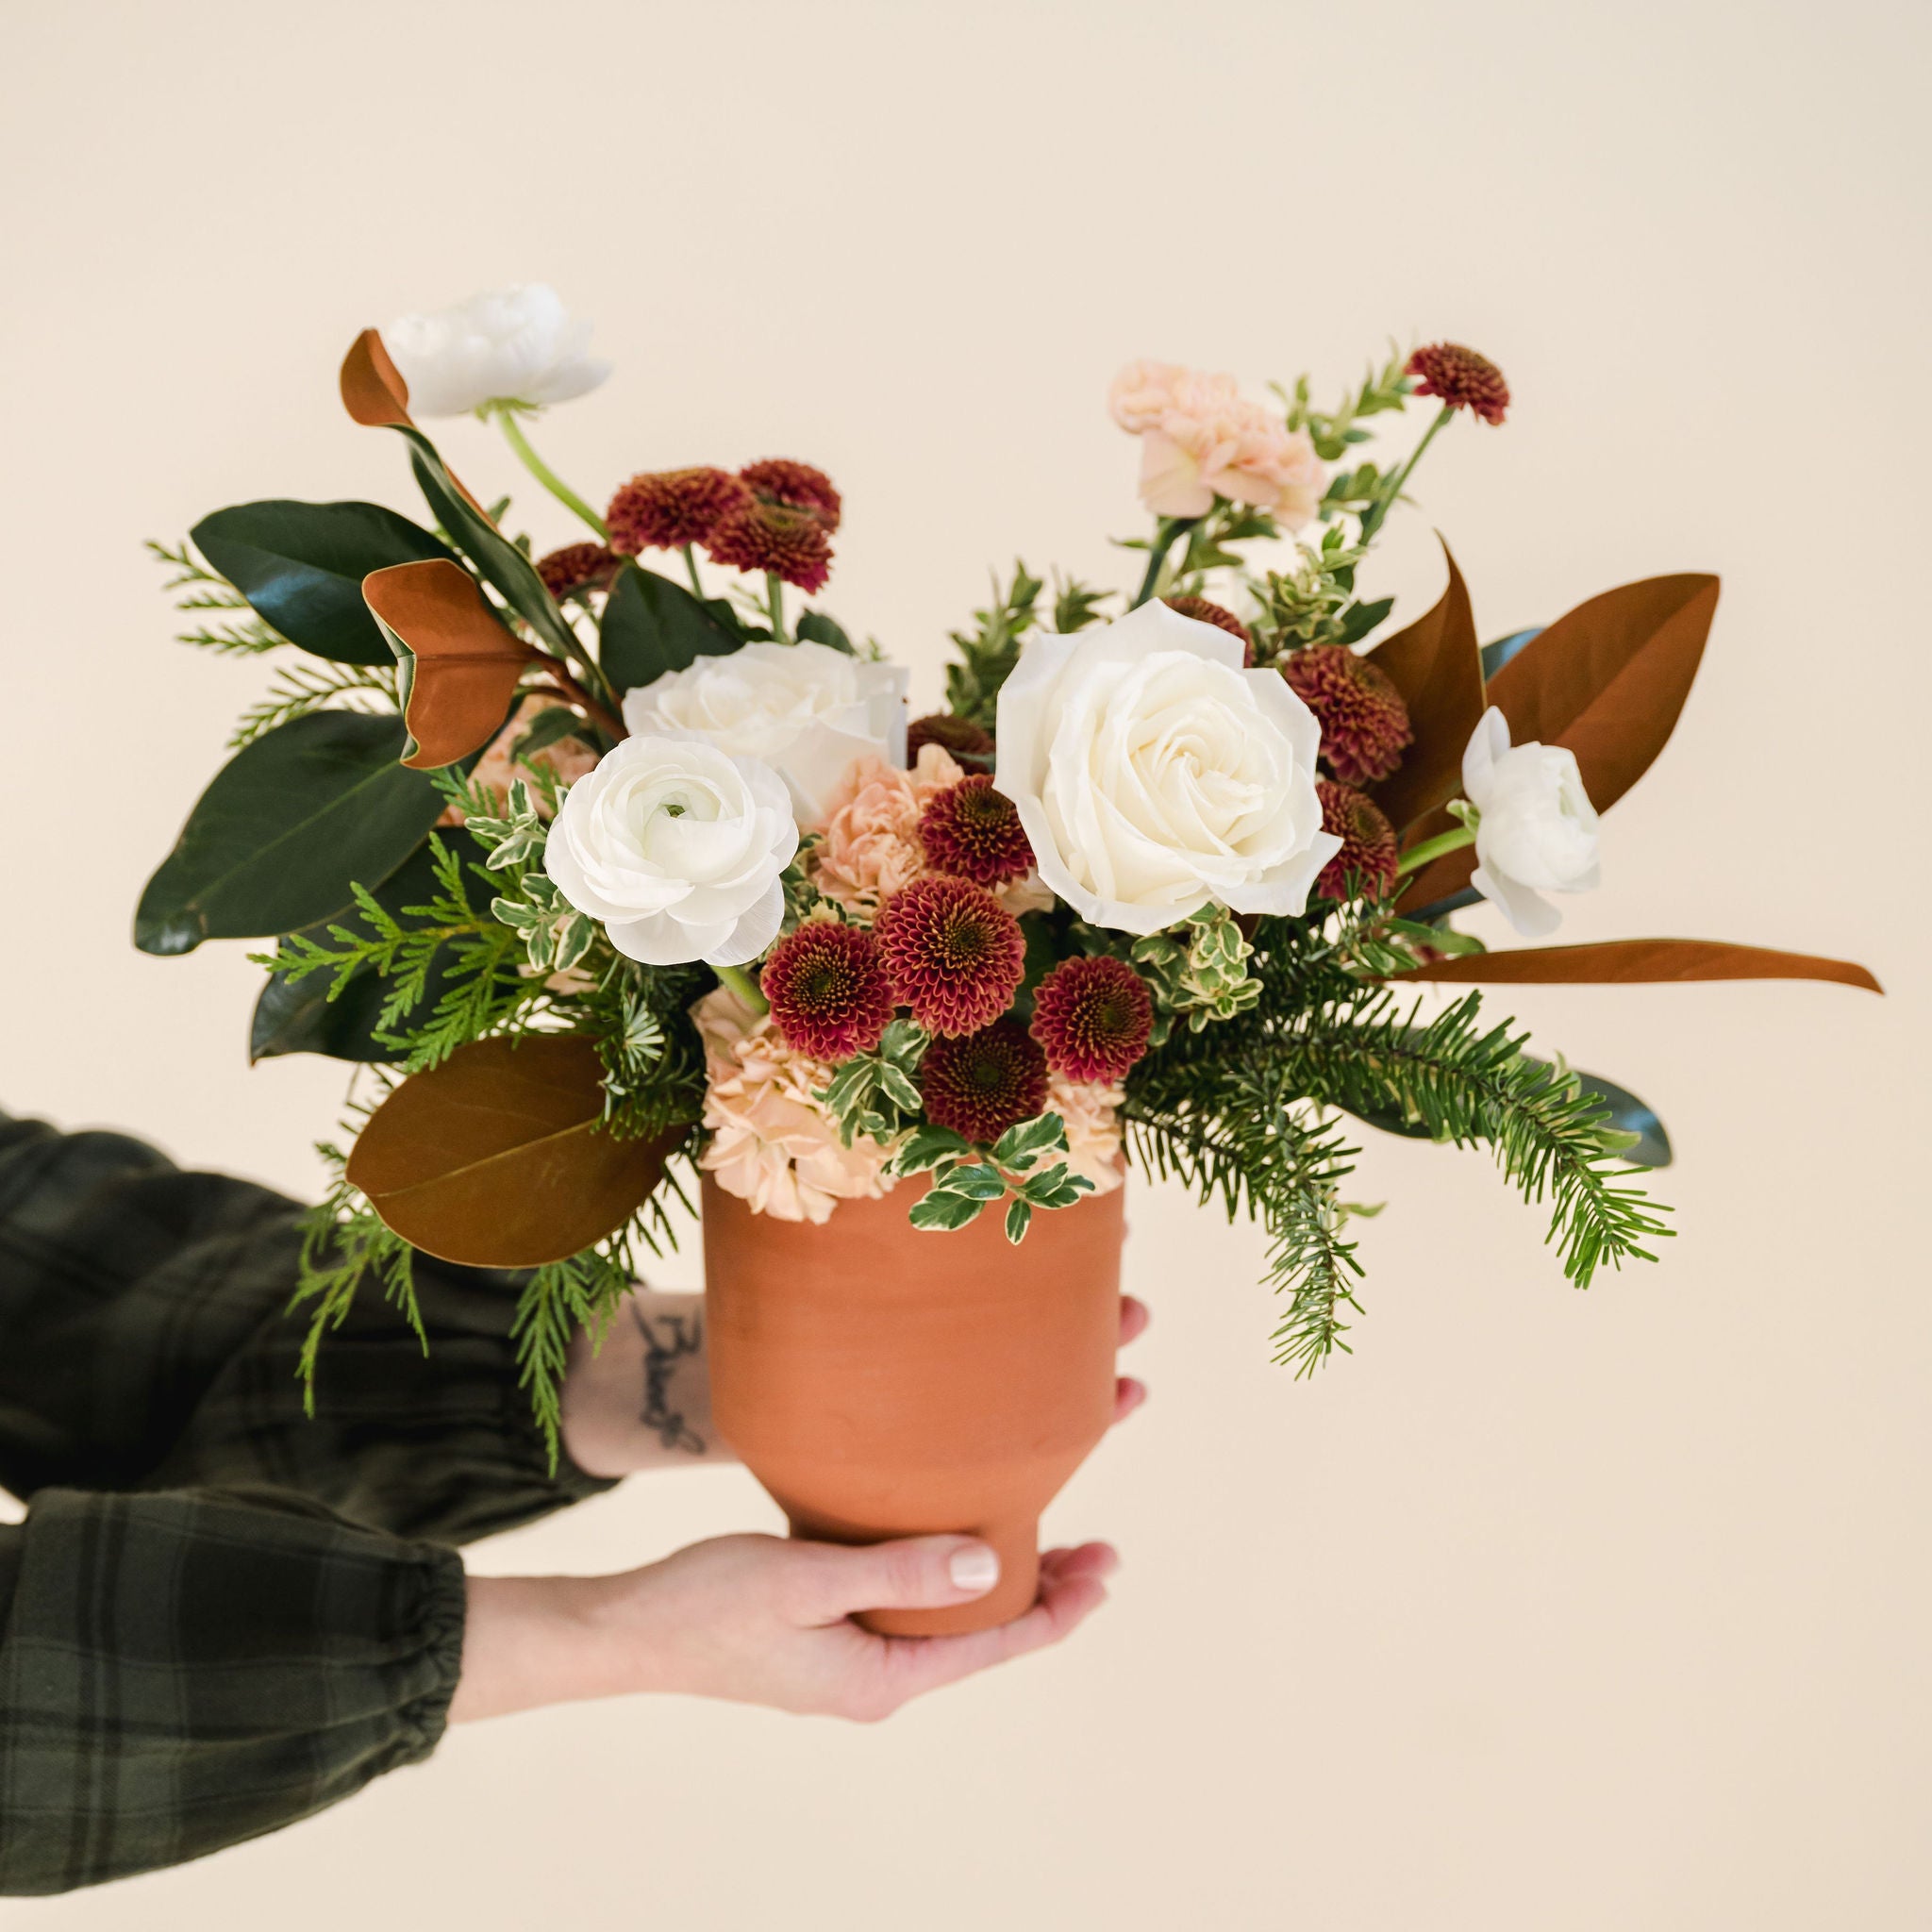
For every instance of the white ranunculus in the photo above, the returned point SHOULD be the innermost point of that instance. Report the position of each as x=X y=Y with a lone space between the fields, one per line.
x=511 y=345
x=805 y=708
x=1154 y=775
x=1538 y=829
x=677 y=847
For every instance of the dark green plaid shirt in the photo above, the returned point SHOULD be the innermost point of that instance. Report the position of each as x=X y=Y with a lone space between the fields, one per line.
x=220 y=1616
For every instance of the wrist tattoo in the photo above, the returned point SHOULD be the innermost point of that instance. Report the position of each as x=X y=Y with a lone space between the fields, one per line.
x=668 y=1338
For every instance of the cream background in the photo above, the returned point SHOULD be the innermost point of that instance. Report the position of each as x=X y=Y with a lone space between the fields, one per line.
x=1543 y=1612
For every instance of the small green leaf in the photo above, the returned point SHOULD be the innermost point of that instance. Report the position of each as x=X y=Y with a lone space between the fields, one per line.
x=928 y=1147
x=977 y=1182
x=941 y=1209
x=1019 y=1146
x=816 y=627
x=301 y=567
x=652 y=626
x=898 y=1089
x=1019 y=1218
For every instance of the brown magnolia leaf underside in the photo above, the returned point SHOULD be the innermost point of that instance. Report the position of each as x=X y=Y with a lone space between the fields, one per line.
x=460 y=666
x=497 y=1159
x=1630 y=962
x=1436 y=665
x=1607 y=681
x=374 y=391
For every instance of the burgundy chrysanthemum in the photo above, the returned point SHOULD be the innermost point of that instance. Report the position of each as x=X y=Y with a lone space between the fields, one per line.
x=789 y=544
x=797 y=486
x=1205 y=611
x=828 y=990
x=577 y=567
x=1367 y=842
x=1093 y=1017
x=954 y=954
x=985 y=1083
x=973 y=830
x=1364 y=721
x=1462 y=378
x=665 y=509
x=959 y=736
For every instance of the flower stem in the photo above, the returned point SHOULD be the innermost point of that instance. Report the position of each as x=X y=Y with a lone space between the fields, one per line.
x=690 y=564
x=513 y=435
x=1391 y=489
x=741 y=983
x=1434 y=848
x=774 y=603
x=1166 y=531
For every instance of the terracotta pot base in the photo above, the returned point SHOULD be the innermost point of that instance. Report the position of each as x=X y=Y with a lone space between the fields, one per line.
x=881 y=1381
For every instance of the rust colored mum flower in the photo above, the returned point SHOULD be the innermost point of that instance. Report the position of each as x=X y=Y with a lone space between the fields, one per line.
x=1206 y=611
x=959 y=736
x=974 y=831
x=983 y=1084
x=1462 y=378
x=1364 y=721
x=828 y=991
x=665 y=509
x=954 y=954
x=1367 y=842
x=1093 y=1018
x=766 y=537
x=796 y=486
x=577 y=567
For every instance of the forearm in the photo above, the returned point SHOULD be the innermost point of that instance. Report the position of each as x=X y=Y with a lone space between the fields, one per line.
x=642 y=1400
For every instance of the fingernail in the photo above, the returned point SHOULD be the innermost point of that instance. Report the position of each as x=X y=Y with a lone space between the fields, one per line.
x=976 y=1567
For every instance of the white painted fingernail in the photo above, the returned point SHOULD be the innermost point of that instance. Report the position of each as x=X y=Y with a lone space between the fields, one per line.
x=977 y=1568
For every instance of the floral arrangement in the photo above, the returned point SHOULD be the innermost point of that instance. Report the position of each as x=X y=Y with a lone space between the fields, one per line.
x=622 y=862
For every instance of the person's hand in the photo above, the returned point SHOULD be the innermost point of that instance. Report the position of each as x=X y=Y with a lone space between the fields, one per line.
x=643 y=1399
x=757 y=1620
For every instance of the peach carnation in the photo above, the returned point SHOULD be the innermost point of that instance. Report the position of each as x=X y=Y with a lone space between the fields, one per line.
x=772 y=1143
x=566 y=759
x=1201 y=438
x=870 y=847
x=1090 y=1109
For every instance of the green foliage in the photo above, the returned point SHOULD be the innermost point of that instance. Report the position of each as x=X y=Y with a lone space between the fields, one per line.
x=300 y=688
x=1208 y=546
x=343 y=1240
x=247 y=637
x=583 y=1291
x=965 y=1181
x=1076 y=605
x=1197 y=970
x=652 y=626
x=872 y=1092
x=1381 y=391
x=1314 y=603
x=990 y=649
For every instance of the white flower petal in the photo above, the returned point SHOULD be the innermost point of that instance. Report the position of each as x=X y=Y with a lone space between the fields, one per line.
x=515 y=345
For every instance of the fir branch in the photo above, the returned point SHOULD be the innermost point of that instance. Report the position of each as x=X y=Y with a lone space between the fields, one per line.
x=583 y=1291
x=247 y=637
x=312 y=685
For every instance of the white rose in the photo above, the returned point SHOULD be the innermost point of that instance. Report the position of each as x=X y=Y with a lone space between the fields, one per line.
x=805 y=708
x=511 y=345
x=677 y=847
x=1538 y=829
x=1152 y=773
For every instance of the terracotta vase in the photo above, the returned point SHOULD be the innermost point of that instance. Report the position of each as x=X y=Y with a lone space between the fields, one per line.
x=880 y=1381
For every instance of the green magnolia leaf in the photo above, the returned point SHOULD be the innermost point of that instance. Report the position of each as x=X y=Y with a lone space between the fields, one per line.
x=816 y=627
x=1499 y=651
x=943 y=1209
x=288 y=826
x=298 y=1016
x=652 y=626
x=1019 y=1218
x=301 y=567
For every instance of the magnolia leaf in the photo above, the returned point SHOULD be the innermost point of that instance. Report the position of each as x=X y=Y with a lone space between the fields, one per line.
x=1498 y=653
x=301 y=567
x=652 y=626
x=820 y=627
x=1629 y=962
x=374 y=391
x=460 y=665
x=499 y=1156
x=1437 y=666
x=1607 y=681
x=298 y=1015
x=286 y=829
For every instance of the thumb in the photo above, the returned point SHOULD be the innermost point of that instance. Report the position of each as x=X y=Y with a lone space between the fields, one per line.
x=923 y=1572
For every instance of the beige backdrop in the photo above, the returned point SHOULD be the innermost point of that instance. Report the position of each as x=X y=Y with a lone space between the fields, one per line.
x=1545 y=1612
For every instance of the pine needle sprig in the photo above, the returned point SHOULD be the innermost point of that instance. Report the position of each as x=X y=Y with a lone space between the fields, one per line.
x=583 y=1291
x=313 y=686
x=246 y=637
